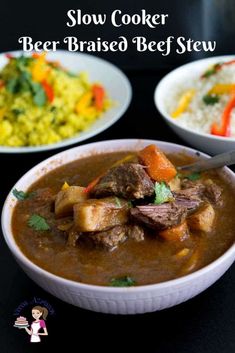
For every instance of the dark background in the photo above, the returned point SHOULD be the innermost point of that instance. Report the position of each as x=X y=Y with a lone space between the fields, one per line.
x=206 y=323
x=196 y=19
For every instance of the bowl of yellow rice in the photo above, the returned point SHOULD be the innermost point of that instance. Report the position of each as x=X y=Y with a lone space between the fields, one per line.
x=57 y=99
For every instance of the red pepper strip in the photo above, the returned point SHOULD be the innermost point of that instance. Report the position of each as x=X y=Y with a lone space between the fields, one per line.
x=224 y=129
x=35 y=55
x=9 y=56
x=226 y=63
x=48 y=90
x=218 y=67
x=2 y=83
x=98 y=93
x=92 y=184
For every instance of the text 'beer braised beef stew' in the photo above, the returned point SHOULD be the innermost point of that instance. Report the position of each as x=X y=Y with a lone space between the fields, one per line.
x=125 y=218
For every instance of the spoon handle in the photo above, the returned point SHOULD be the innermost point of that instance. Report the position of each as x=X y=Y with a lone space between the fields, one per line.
x=221 y=160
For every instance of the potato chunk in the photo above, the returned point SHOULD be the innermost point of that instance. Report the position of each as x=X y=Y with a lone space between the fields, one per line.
x=96 y=215
x=175 y=184
x=203 y=219
x=66 y=199
x=176 y=233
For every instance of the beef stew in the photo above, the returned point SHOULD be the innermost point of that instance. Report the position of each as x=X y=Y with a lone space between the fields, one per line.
x=113 y=219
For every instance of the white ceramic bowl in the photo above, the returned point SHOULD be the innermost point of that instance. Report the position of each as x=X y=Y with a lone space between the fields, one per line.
x=130 y=300
x=205 y=142
x=113 y=79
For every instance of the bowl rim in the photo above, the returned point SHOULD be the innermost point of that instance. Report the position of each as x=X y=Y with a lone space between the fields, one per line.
x=160 y=105
x=76 y=138
x=27 y=263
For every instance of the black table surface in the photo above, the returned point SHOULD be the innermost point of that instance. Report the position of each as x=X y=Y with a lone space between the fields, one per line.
x=204 y=324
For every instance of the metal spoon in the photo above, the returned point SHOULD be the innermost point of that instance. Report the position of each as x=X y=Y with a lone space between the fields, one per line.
x=221 y=160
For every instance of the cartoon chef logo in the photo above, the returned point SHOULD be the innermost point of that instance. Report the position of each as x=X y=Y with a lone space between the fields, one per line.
x=38 y=326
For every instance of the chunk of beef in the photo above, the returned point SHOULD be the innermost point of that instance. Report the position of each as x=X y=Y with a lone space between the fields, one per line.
x=135 y=232
x=128 y=180
x=42 y=195
x=110 y=238
x=160 y=216
x=187 y=183
x=213 y=193
x=73 y=237
x=190 y=202
x=206 y=190
x=193 y=189
x=41 y=201
x=100 y=214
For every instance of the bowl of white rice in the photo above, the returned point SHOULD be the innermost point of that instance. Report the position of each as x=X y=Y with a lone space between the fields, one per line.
x=197 y=101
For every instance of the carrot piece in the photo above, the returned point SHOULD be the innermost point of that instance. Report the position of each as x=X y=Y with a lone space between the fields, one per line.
x=158 y=165
x=176 y=233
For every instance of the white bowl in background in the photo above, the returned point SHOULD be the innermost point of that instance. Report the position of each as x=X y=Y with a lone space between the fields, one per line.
x=129 y=300
x=111 y=77
x=209 y=143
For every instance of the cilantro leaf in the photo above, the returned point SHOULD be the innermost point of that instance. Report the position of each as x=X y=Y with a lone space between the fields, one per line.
x=39 y=96
x=211 y=71
x=38 y=223
x=117 y=201
x=23 y=82
x=193 y=176
x=21 y=195
x=22 y=61
x=71 y=74
x=210 y=99
x=125 y=281
x=12 y=85
x=17 y=111
x=162 y=193
x=130 y=204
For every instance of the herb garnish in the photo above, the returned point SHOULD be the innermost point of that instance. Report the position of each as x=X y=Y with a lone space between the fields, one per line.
x=211 y=71
x=163 y=193
x=12 y=85
x=125 y=281
x=18 y=111
x=39 y=95
x=130 y=204
x=71 y=74
x=193 y=176
x=38 y=223
x=210 y=99
x=23 y=82
x=118 y=202
x=23 y=61
x=21 y=195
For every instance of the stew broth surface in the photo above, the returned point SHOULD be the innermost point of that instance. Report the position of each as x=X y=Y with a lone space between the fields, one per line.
x=150 y=261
